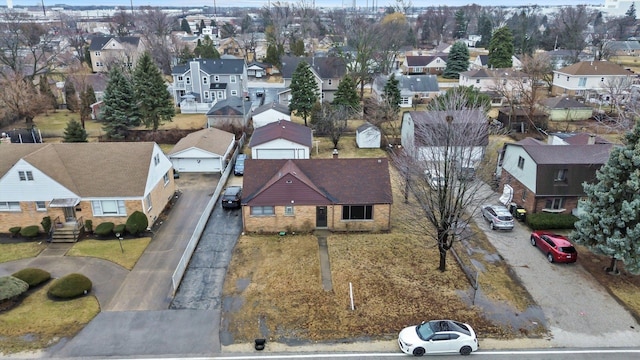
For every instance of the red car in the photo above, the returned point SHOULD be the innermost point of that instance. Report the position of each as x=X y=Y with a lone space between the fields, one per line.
x=557 y=247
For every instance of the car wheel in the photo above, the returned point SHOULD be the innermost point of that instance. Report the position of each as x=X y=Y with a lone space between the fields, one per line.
x=465 y=350
x=418 y=351
x=533 y=241
x=550 y=257
x=493 y=227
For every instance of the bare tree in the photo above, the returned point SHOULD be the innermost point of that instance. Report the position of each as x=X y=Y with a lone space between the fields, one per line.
x=393 y=34
x=155 y=26
x=384 y=115
x=75 y=36
x=21 y=98
x=278 y=18
x=445 y=145
x=436 y=23
x=622 y=101
x=570 y=26
x=364 y=39
x=331 y=121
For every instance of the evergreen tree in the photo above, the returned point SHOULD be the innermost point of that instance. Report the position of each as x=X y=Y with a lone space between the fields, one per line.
x=74 y=132
x=501 y=48
x=206 y=49
x=304 y=91
x=631 y=12
x=154 y=100
x=71 y=96
x=184 y=26
x=185 y=55
x=202 y=26
x=457 y=62
x=391 y=93
x=273 y=55
x=120 y=110
x=460 y=31
x=347 y=95
x=297 y=47
x=484 y=29
x=610 y=222
x=471 y=96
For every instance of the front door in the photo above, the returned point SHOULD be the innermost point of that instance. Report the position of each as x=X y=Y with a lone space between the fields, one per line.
x=321 y=216
x=69 y=214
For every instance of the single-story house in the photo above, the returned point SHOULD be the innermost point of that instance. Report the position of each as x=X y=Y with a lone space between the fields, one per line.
x=563 y=108
x=413 y=88
x=233 y=112
x=203 y=151
x=75 y=182
x=281 y=140
x=368 y=136
x=303 y=195
x=268 y=113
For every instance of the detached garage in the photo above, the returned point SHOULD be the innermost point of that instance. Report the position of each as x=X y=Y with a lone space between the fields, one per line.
x=281 y=140
x=202 y=151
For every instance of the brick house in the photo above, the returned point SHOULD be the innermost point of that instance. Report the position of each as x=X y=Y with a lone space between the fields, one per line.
x=74 y=182
x=305 y=194
x=548 y=176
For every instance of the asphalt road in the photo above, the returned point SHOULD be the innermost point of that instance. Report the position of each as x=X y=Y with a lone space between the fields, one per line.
x=578 y=311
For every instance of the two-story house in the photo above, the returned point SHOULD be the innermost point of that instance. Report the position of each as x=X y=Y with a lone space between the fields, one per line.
x=548 y=176
x=328 y=72
x=107 y=50
x=588 y=79
x=503 y=80
x=198 y=85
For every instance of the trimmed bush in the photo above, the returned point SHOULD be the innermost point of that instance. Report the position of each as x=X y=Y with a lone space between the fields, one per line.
x=11 y=287
x=70 y=286
x=137 y=223
x=15 y=230
x=46 y=224
x=119 y=229
x=106 y=228
x=549 y=221
x=30 y=231
x=32 y=276
x=88 y=226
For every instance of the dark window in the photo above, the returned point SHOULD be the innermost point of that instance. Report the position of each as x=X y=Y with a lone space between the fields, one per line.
x=520 y=162
x=553 y=203
x=440 y=337
x=357 y=212
x=561 y=175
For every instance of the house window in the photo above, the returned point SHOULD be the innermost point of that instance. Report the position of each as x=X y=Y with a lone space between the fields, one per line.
x=524 y=194
x=567 y=78
x=601 y=79
x=232 y=78
x=98 y=64
x=262 y=210
x=108 y=208
x=520 y=162
x=582 y=81
x=25 y=175
x=216 y=78
x=204 y=80
x=180 y=78
x=156 y=159
x=288 y=210
x=188 y=80
x=220 y=95
x=166 y=178
x=404 y=100
x=206 y=94
x=97 y=53
x=553 y=204
x=329 y=81
x=147 y=200
x=40 y=206
x=558 y=76
x=477 y=81
x=561 y=175
x=9 y=206
x=234 y=92
x=357 y=212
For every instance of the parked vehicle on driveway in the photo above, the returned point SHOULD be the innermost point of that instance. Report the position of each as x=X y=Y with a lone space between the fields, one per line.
x=438 y=337
x=498 y=217
x=238 y=168
x=556 y=247
x=231 y=197
x=434 y=179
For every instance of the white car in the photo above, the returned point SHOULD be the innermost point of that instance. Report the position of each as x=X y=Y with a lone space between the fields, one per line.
x=498 y=217
x=434 y=179
x=438 y=337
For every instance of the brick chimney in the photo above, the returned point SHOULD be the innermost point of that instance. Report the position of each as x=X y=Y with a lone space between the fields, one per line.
x=335 y=153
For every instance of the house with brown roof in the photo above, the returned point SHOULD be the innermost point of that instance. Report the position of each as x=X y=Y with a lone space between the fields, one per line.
x=268 y=113
x=328 y=72
x=281 y=140
x=75 y=182
x=302 y=195
x=231 y=113
x=548 y=176
x=203 y=151
x=588 y=79
x=562 y=108
x=424 y=64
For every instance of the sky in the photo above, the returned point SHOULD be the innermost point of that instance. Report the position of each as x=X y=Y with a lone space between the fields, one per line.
x=319 y=3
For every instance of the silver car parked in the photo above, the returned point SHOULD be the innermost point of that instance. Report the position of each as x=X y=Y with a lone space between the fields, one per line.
x=498 y=217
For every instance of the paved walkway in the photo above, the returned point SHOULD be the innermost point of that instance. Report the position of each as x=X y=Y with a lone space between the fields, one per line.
x=325 y=265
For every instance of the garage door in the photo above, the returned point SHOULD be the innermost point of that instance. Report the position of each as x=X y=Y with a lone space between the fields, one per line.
x=276 y=154
x=204 y=165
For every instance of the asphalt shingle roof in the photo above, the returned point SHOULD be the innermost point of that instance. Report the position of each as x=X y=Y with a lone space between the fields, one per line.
x=212 y=140
x=594 y=68
x=282 y=129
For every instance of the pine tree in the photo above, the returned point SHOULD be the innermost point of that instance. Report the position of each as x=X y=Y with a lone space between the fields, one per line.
x=347 y=95
x=206 y=49
x=631 y=12
x=120 y=110
x=273 y=55
x=457 y=62
x=74 y=132
x=460 y=31
x=71 y=96
x=484 y=30
x=185 y=55
x=391 y=93
x=154 y=100
x=610 y=222
x=184 y=26
x=501 y=48
x=304 y=91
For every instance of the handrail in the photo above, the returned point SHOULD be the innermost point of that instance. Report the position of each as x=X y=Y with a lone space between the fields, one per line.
x=77 y=228
x=53 y=227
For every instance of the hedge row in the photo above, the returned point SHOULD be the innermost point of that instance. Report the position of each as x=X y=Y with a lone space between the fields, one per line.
x=549 y=221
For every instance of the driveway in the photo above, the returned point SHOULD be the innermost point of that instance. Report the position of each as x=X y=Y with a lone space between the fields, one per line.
x=578 y=311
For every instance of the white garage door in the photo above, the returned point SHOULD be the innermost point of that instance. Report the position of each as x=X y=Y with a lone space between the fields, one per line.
x=276 y=154
x=204 y=165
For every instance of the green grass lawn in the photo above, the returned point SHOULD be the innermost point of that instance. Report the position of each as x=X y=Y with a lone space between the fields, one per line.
x=110 y=250
x=17 y=251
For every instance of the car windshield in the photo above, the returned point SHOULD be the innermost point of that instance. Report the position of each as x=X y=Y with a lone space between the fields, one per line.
x=568 y=249
x=424 y=331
